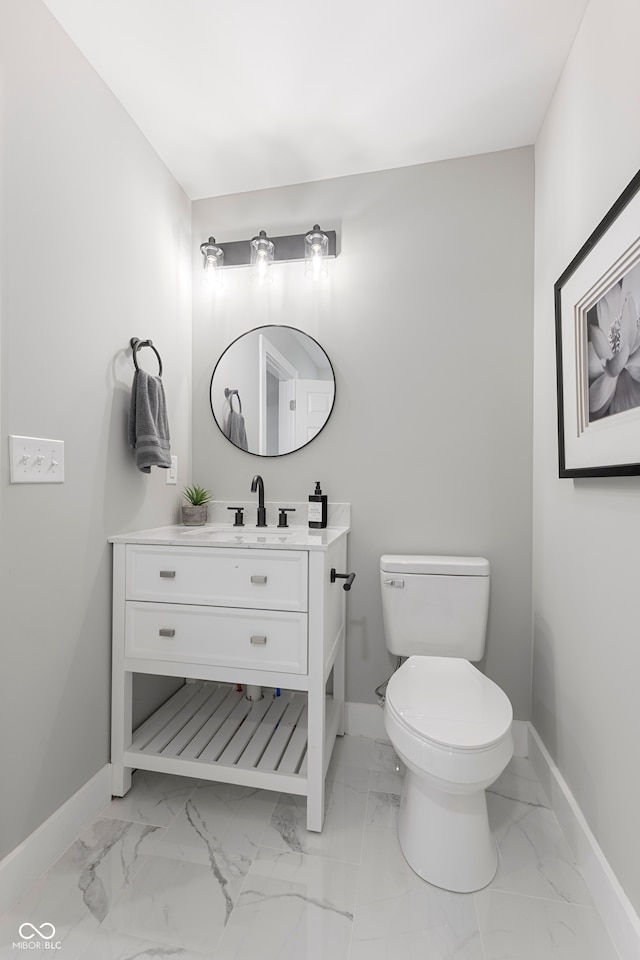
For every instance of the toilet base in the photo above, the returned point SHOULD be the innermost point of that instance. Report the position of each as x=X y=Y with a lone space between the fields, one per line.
x=445 y=837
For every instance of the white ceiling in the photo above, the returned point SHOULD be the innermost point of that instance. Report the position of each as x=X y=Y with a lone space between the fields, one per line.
x=247 y=94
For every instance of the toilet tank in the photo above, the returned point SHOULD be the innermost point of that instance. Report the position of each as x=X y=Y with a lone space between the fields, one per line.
x=435 y=606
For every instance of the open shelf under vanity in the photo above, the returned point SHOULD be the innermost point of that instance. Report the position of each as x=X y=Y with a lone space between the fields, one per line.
x=212 y=731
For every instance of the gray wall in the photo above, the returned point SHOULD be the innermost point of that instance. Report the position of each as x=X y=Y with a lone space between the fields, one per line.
x=586 y=661
x=94 y=249
x=427 y=319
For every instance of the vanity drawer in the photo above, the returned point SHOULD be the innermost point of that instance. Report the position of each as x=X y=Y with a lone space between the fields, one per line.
x=268 y=640
x=258 y=579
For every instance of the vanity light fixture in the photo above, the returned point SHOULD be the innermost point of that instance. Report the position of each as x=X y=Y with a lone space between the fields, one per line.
x=262 y=252
x=213 y=261
x=316 y=253
x=316 y=248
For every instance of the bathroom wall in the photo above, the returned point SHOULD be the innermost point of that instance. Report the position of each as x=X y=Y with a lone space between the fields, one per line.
x=94 y=249
x=427 y=319
x=586 y=660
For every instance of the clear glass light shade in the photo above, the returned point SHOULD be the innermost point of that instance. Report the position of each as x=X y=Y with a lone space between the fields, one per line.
x=213 y=261
x=316 y=251
x=262 y=255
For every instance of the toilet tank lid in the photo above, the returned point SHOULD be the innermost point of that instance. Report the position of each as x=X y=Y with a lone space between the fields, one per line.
x=443 y=566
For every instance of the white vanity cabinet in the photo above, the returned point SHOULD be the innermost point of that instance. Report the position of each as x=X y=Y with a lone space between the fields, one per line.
x=225 y=611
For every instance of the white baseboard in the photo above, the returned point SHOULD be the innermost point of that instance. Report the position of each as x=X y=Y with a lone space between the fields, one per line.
x=22 y=867
x=366 y=720
x=618 y=915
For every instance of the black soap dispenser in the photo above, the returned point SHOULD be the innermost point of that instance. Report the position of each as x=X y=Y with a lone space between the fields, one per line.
x=318 y=509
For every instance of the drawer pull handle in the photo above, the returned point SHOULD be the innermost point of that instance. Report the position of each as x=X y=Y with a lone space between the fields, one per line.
x=167 y=632
x=168 y=574
x=259 y=641
x=256 y=578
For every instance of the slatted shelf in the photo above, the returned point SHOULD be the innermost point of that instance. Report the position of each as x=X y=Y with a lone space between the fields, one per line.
x=211 y=731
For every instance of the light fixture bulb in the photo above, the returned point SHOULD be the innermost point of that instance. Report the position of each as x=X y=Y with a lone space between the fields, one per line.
x=261 y=266
x=262 y=256
x=213 y=260
x=316 y=261
x=316 y=251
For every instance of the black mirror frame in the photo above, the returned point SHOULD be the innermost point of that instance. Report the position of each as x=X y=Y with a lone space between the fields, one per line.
x=268 y=326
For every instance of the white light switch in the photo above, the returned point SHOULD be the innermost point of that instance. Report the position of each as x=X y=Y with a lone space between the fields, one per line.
x=35 y=460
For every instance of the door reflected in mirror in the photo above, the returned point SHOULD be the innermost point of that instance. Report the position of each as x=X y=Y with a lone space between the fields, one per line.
x=272 y=390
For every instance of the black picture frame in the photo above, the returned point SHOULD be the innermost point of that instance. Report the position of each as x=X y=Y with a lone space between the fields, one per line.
x=599 y=437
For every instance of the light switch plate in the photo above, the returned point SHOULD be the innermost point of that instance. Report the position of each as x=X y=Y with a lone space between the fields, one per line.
x=35 y=460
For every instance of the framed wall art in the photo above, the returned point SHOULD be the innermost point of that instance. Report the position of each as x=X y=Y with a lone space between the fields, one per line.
x=597 y=312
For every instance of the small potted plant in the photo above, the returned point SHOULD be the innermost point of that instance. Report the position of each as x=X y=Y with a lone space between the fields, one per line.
x=195 y=510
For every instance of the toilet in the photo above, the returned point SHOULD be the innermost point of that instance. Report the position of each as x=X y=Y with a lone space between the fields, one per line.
x=449 y=723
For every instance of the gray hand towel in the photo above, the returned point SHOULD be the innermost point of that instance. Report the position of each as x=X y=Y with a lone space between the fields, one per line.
x=148 y=423
x=235 y=430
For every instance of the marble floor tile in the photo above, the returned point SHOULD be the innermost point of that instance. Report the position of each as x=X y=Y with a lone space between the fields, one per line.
x=534 y=858
x=76 y=894
x=110 y=945
x=292 y=906
x=351 y=762
x=185 y=893
x=387 y=770
x=153 y=798
x=220 y=823
x=528 y=928
x=341 y=837
x=416 y=920
x=519 y=782
x=177 y=902
x=380 y=842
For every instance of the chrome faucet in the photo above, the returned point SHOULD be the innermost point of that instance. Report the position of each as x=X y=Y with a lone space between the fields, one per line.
x=258 y=484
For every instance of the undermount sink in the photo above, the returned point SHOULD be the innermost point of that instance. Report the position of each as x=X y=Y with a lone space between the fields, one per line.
x=240 y=536
x=260 y=536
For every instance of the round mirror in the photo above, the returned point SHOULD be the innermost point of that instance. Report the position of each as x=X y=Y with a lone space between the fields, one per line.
x=272 y=390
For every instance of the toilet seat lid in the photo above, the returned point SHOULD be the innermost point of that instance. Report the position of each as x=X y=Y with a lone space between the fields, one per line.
x=448 y=701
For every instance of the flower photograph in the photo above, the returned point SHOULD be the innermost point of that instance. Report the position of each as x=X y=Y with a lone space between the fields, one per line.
x=613 y=334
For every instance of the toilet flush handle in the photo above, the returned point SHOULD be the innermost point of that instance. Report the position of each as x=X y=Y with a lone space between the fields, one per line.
x=393 y=583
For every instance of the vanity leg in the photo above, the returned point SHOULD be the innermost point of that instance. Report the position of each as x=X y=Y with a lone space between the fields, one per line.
x=315 y=759
x=121 y=732
x=339 y=685
x=121 y=681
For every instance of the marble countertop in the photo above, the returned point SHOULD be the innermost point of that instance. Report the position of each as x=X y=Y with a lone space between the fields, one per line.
x=227 y=535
